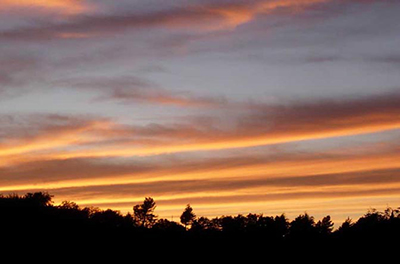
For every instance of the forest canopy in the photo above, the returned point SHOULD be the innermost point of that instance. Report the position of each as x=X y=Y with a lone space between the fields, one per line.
x=36 y=214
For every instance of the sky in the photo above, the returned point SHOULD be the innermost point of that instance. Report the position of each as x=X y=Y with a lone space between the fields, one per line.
x=233 y=107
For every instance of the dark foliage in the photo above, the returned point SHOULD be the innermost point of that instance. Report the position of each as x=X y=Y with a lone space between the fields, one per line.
x=34 y=218
x=187 y=216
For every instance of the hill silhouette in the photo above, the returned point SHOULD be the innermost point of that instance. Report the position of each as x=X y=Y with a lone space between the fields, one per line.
x=33 y=217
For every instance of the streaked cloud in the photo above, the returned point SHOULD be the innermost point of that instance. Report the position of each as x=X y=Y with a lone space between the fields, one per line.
x=209 y=17
x=131 y=90
x=103 y=172
x=61 y=6
x=258 y=126
x=16 y=73
x=265 y=180
x=236 y=106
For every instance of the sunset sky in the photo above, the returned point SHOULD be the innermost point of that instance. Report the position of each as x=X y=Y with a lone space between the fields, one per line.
x=233 y=107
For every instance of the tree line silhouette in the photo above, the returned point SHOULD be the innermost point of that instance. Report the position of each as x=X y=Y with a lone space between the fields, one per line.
x=34 y=215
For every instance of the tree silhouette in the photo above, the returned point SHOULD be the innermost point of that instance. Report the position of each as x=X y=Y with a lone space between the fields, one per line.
x=143 y=214
x=108 y=218
x=67 y=205
x=391 y=213
x=347 y=224
x=280 y=227
x=34 y=216
x=325 y=226
x=38 y=199
x=204 y=223
x=231 y=225
x=302 y=227
x=345 y=230
x=165 y=225
x=187 y=216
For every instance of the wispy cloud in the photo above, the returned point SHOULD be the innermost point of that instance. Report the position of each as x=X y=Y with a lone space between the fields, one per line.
x=259 y=125
x=132 y=90
x=274 y=169
x=191 y=128
x=60 y=6
x=209 y=17
x=17 y=72
x=49 y=152
x=268 y=125
x=37 y=132
x=260 y=179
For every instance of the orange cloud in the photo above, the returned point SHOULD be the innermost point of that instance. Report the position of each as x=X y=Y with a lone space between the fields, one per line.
x=129 y=149
x=50 y=132
x=208 y=17
x=78 y=159
x=297 y=5
x=63 y=6
x=72 y=35
x=235 y=16
x=62 y=174
x=338 y=201
x=255 y=183
x=229 y=16
x=264 y=125
x=255 y=195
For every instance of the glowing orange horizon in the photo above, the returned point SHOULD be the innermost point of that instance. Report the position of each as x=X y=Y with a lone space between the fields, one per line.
x=259 y=170
x=58 y=145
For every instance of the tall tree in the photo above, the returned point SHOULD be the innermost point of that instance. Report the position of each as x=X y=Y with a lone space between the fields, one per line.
x=302 y=226
x=187 y=216
x=325 y=226
x=143 y=214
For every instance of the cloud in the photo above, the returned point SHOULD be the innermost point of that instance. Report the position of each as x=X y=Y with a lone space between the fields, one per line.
x=132 y=90
x=16 y=73
x=30 y=133
x=188 y=187
x=208 y=17
x=264 y=125
x=212 y=153
x=393 y=59
x=286 y=181
x=330 y=114
x=248 y=126
x=204 y=193
x=257 y=194
x=270 y=169
x=160 y=180
x=62 y=6
x=163 y=97
x=96 y=161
